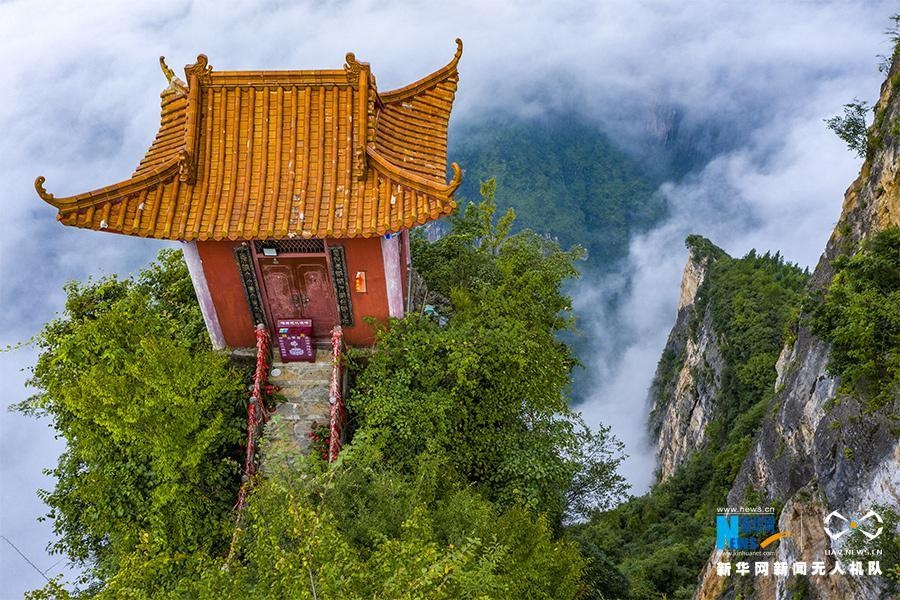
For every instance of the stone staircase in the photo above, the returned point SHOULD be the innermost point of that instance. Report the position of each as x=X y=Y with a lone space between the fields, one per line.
x=304 y=387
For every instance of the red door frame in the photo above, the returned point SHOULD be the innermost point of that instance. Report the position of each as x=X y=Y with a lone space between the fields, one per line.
x=270 y=319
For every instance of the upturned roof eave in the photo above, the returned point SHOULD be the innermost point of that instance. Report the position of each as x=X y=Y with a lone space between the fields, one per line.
x=170 y=159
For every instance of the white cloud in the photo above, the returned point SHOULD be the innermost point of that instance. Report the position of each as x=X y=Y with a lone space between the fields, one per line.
x=780 y=189
x=79 y=104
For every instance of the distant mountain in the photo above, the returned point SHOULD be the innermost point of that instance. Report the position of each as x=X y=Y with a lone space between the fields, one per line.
x=564 y=177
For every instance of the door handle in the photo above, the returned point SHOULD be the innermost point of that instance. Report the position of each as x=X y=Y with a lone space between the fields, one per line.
x=296 y=300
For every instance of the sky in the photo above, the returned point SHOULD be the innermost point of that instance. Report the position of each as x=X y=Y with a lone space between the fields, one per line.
x=79 y=104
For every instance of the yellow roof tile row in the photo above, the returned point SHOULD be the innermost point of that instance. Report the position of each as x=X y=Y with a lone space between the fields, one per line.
x=281 y=154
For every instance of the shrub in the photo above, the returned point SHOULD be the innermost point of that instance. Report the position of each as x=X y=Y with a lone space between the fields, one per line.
x=860 y=316
x=151 y=417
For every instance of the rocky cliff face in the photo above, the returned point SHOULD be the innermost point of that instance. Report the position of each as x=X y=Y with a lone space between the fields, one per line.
x=810 y=457
x=688 y=375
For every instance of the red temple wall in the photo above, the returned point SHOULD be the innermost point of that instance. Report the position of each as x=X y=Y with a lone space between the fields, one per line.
x=227 y=291
x=364 y=254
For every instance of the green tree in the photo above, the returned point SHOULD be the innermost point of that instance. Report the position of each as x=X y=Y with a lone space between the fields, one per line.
x=151 y=418
x=465 y=460
x=294 y=543
x=851 y=126
x=488 y=389
x=860 y=316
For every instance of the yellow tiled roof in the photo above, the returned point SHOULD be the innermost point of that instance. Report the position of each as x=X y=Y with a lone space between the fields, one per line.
x=275 y=154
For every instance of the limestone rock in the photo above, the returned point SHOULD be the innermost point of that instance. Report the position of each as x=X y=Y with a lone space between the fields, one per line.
x=820 y=451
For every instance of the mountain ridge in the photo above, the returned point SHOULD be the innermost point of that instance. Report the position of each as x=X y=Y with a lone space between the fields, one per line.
x=818 y=448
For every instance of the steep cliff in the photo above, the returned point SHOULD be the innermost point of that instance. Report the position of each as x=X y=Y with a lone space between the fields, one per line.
x=718 y=366
x=689 y=372
x=712 y=387
x=820 y=448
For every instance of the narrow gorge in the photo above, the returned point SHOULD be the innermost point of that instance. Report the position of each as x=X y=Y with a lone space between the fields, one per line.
x=783 y=429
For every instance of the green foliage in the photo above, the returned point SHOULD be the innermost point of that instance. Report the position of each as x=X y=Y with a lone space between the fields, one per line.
x=150 y=416
x=703 y=250
x=661 y=540
x=893 y=34
x=799 y=588
x=860 y=316
x=885 y=548
x=53 y=590
x=294 y=543
x=851 y=127
x=663 y=385
x=752 y=302
x=487 y=390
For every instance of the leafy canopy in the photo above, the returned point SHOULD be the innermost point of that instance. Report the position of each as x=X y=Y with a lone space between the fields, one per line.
x=851 y=126
x=150 y=415
x=488 y=390
x=860 y=316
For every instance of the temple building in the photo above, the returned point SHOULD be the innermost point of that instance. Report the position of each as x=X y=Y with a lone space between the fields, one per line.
x=293 y=192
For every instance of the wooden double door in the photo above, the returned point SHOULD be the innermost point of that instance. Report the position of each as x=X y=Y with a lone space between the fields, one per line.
x=300 y=288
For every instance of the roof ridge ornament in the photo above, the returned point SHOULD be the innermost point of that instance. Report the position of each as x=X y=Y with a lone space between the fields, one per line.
x=174 y=82
x=200 y=68
x=39 y=187
x=459 y=50
x=359 y=76
x=187 y=166
x=353 y=66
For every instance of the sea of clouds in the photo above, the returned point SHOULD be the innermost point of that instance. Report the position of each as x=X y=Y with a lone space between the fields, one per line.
x=79 y=105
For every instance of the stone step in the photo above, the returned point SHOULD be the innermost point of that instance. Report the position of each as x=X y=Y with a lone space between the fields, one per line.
x=291 y=432
x=291 y=376
x=322 y=357
x=304 y=384
x=310 y=378
x=303 y=367
x=287 y=436
x=305 y=391
x=297 y=411
x=306 y=401
x=301 y=429
x=320 y=362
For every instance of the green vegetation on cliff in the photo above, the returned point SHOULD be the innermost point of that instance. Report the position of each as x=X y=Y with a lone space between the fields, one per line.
x=753 y=302
x=859 y=315
x=661 y=540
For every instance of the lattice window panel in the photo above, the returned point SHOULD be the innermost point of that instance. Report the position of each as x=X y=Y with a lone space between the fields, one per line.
x=296 y=246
